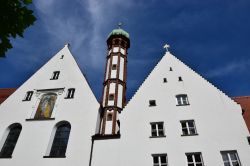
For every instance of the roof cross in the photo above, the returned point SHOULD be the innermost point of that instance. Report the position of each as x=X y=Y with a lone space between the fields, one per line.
x=166 y=46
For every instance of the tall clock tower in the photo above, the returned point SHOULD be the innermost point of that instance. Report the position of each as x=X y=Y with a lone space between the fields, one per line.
x=114 y=85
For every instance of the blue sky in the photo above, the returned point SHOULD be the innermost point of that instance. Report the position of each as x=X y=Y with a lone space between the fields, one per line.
x=212 y=37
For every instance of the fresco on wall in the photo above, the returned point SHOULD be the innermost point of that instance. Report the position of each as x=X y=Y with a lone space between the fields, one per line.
x=46 y=106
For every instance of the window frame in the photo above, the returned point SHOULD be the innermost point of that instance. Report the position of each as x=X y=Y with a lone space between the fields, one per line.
x=5 y=143
x=157 y=130
x=70 y=93
x=194 y=162
x=52 y=140
x=182 y=100
x=159 y=159
x=152 y=103
x=188 y=127
x=28 y=96
x=55 y=75
x=228 y=154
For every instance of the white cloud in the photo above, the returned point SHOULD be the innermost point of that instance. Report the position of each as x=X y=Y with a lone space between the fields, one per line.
x=229 y=68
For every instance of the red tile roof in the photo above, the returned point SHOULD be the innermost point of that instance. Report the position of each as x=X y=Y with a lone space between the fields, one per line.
x=244 y=101
x=5 y=93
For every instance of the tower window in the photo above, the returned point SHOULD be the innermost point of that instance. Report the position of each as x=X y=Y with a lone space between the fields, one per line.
x=160 y=160
x=182 y=99
x=109 y=117
x=111 y=96
x=114 y=66
x=165 y=80
x=55 y=75
x=122 y=51
x=115 y=49
x=62 y=56
x=70 y=93
x=180 y=79
x=10 y=142
x=116 y=42
x=188 y=127
x=60 y=141
x=28 y=96
x=194 y=159
x=152 y=103
x=157 y=129
x=230 y=158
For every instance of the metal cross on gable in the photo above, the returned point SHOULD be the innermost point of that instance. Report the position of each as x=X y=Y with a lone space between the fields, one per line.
x=166 y=46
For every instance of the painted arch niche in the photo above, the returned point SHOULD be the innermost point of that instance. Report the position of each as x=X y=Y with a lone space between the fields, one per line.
x=46 y=106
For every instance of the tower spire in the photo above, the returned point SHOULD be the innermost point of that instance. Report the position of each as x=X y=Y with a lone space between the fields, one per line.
x=114 y=85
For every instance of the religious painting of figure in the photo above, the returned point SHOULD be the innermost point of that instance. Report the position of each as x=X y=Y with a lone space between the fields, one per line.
x=46 y=106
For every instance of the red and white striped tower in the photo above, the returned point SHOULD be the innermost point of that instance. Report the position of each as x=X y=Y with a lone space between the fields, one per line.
x=114 y=86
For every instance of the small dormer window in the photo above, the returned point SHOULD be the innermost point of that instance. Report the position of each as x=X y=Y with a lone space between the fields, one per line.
x=70 y=93
x=114 y=66
x=152 y=103
x=28 y=96
x=55 y=75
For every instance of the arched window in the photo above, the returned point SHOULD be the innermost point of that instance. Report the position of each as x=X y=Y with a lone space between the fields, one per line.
x=59 y=145
x=46 y=106
x=12 y=135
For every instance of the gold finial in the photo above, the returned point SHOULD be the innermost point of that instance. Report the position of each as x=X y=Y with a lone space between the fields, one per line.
x=119 y=25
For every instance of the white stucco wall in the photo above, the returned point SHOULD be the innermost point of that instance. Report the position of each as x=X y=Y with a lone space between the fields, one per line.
x=81 y=112
x=218 y=121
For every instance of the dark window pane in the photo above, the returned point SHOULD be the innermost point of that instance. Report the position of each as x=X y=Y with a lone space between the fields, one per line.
x=225 y=157
x=191 y=124
x=190 y=164
x=233 y=156
x=160 y=126
x=161 y=133
x=189 y=158
x=163 y=159
x=60 y=141
x=155 y=158
x=154 y=133
x=183 y=124
x=185 y=131
x=197 y=157
x=10 y=141
x=192 y=131
x=153 y=126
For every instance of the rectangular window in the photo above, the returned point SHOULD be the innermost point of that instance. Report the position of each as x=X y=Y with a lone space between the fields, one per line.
x=111 y=96
x=71 y=93
x=152 y=103
x=160 y=160
x=248 y=139
x=180 y=79
x=28 y=96
x=114 y=67
x=182 y=99
x=188 y=127
x=194 y=159
x=55 y=75
x=165 y=80
x=157 y=129
x=230 y=158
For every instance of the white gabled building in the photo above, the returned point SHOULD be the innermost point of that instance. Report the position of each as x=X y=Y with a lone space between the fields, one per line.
x=175 y=118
